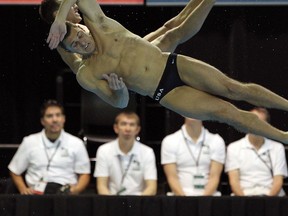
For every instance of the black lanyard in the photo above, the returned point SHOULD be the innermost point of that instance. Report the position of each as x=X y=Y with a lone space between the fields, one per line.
x=187 y=144
x=126 y=168
x=49 y=159
x=259 y=156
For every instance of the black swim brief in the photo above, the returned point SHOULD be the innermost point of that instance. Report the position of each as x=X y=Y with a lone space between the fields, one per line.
x=170 y=78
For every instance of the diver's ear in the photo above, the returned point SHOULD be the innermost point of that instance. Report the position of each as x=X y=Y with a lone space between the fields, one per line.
x=83 y=27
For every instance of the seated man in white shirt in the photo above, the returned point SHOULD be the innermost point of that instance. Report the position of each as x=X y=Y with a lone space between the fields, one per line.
x=126 y=166
x=193 y=159
x=54 y=161
x=256 y=165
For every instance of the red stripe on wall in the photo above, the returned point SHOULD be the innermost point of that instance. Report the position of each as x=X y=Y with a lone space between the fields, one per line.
x=37 y=2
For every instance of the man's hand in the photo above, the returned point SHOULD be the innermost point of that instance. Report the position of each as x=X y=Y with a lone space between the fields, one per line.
x=27 y=191
x=57 y=32
x=114 y=82
x=74 y=190
x=116 y=93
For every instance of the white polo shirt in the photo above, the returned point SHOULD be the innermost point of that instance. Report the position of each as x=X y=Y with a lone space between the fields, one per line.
x=68 y=157
x=174 y=149
x=136 y=167
x=256 y=168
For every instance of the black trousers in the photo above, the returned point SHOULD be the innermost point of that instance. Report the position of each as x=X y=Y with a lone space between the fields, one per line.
x=51 y=188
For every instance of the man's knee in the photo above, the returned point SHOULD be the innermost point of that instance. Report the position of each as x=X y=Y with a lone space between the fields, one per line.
x=235 y=89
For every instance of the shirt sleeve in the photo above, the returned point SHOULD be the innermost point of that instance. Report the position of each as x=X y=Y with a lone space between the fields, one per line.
x=20 y=160
x=82 y=162
x=280 y=165
x=232 y=162
x=218 y=152
x=168 y=150
x=101 y=167
x=150 y=170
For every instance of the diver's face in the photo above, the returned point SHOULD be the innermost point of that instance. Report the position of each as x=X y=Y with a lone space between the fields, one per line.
x=80 y=41
x=73 y=15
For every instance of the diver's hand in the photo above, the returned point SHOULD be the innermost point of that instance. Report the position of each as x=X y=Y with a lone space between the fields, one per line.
x=114 y=82
x=57 y=32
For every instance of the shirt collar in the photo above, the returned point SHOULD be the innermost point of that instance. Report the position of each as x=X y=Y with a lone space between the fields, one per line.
x=47 y=143
x=134 y=150
x=265 y=147
x=187 y=137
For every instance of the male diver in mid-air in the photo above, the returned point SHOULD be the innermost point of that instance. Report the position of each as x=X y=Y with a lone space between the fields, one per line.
x=115 y=60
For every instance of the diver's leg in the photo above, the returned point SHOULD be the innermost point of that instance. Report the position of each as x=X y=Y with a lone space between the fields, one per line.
x=193 y=103
x=207 y=78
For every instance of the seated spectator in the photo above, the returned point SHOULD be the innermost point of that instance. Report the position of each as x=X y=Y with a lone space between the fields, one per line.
x=193 y=159
x=54 y=160
x=256 y=166
x=126 y=166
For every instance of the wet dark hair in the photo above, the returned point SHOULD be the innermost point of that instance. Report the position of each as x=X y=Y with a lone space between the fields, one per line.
x=47 y=9
x=69 y=26
x=50 y=103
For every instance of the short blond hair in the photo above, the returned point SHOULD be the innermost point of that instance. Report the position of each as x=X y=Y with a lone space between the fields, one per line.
x=128 y=114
